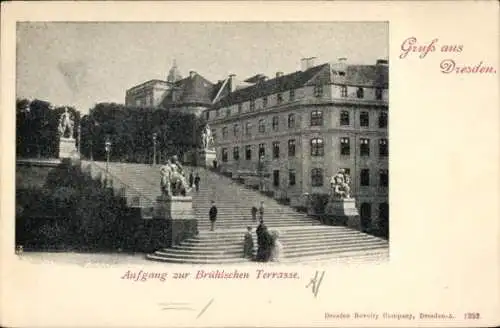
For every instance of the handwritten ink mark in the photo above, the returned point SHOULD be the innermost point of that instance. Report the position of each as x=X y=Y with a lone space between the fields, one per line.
x=182 y=306
x=205 y=308
x=316 y=283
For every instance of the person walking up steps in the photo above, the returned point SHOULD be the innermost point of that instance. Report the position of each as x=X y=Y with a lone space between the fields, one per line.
x=254 y=213
x=212 y=214
x=261 y=211
x=197 y=182
x=191 y=179
x=248 y=244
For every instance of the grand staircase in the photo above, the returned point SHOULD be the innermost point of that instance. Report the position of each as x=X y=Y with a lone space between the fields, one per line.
x=304 y=239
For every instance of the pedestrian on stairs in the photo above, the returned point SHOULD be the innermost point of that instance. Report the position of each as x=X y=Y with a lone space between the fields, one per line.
x=191 y=179
x=212 y=214
x=248 y=244
x=197 y=182
x=254 y=213
x=261 y=211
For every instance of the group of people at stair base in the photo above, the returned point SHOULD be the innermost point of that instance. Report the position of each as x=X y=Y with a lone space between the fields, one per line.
x=269 y=246
x=194 y=180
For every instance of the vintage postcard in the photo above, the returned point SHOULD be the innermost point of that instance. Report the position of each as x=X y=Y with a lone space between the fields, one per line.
x=307 y=164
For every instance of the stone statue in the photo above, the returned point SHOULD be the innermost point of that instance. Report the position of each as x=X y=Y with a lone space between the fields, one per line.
x=207 y=137
x=173 y=181
x=340 y=185
x=66 y=124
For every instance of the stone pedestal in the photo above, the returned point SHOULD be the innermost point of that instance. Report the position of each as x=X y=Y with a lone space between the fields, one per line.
x=67 y=148
x=174 y=208
x=343 y=211
x=206 y=157
x=180 y=222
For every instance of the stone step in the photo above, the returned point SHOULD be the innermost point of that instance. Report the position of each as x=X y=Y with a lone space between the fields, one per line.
x=292 y=254
x=291 y=230
x=304 y=245
x=285 y=240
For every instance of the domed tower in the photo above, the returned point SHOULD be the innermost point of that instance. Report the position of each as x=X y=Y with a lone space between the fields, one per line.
x=173 y=74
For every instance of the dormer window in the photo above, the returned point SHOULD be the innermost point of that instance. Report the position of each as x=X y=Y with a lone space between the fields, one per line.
x=360 y=93
x=252 y=105
x=264 y=102
x=343 y=91
x=279 y=98
x=318 y=90
x=292 y=95
x=228 y=112
x=240 y=108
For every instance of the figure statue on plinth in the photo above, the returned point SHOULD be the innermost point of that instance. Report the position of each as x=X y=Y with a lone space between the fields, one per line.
x=66 y=124
x=339 y=184
x=173 y=181
x=207 y=137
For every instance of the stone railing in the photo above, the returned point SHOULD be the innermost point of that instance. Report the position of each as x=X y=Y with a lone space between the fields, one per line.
x=134 y=197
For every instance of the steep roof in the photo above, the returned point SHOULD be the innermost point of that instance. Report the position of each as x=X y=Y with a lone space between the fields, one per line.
x=368 y=75
x=276 y=85
x=193 y=89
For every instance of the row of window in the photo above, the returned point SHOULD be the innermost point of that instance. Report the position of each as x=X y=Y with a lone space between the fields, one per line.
x=317 y=177
x=316 y=120
x=365 y=211
x=317 y=148
x=318 y=93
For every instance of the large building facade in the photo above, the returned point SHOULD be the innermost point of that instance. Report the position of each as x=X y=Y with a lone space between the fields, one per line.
x=303 y=127
x=293 y=132
x=191 y=94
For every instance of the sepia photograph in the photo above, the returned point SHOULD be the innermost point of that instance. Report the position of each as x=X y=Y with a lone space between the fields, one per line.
x=234 y=164
x=202 y=142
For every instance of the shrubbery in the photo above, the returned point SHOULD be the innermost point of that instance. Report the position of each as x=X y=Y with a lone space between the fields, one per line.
x=71 y=211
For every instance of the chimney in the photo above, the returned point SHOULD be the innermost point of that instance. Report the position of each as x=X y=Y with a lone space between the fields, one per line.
x=279 y=74
x=232 y=82
x=307 y=63
x=383 y=62
x=303 y=64
x=192 y=74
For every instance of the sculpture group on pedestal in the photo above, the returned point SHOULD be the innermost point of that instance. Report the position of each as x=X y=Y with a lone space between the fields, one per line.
x=339 y=183
x=207 y=156
x=66 y=124
x=173 y=180
x=67 y=145
x=207 y=138
x=341 y=206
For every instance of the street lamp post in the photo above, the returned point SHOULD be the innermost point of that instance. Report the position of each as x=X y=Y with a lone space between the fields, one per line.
x=91 y=154
x=107 y=148
x=154 y=148
x=261 y=172
x=79 y=131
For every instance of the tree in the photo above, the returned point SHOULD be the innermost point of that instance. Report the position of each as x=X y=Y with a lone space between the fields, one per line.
x=130 y=130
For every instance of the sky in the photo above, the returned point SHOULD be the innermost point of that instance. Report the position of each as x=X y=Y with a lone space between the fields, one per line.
x=81 y=64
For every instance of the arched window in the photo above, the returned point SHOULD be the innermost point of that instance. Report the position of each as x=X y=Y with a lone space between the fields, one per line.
x=291 y=121
x=316 y=118
x=276 y=123
x=262 y=126
x=364 y=119
x=382 y=120
x=317 y=147
x=317 y=177
x=344 y=117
